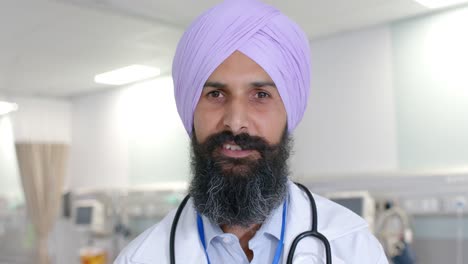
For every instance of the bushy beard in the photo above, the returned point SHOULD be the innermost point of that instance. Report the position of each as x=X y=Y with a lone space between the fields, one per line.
x=239 y=191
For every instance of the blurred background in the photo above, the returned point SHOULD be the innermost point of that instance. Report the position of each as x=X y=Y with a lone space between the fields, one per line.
x=89 y=158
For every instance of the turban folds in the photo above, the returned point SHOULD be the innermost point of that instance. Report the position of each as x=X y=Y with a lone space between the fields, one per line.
x=257 y=30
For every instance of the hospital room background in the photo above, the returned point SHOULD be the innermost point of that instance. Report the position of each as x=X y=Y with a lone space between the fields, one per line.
x=86 y=165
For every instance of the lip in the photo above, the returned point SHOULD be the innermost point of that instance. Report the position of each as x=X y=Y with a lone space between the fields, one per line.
x=236 y=153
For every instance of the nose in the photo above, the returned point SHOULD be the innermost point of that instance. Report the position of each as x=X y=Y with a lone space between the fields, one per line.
x=236 y=117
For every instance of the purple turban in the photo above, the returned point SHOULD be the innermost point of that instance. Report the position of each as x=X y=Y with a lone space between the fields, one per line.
x=257 y=30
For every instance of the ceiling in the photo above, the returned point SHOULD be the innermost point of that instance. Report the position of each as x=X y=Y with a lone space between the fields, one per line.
x=55 y=47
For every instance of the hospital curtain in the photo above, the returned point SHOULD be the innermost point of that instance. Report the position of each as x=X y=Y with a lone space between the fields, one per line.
x=42 y=168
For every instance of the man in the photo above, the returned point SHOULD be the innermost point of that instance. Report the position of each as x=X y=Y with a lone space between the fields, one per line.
x=241 y=78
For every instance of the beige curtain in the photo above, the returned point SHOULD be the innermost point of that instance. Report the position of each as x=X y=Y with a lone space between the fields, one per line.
x=42 y=167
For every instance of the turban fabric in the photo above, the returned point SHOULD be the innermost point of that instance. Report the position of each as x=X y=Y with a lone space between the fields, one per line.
x=257 y=30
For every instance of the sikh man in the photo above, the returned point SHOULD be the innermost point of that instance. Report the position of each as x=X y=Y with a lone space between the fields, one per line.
x=241 y=77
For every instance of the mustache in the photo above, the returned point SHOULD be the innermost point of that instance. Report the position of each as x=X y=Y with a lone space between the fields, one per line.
x=243 y=140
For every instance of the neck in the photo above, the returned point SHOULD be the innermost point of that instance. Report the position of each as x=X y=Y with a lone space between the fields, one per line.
x=244 y=234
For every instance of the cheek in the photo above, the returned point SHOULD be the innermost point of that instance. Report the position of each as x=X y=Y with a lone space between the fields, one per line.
x=198 y=125
x=278 y=129
x=272 y=125
x=204 y=122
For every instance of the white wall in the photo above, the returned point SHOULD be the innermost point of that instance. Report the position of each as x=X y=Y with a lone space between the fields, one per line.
x=431 y=86
x=349 y=126
x=42 y=119
x=99 y=151
x=129 y=136
x=158 y=145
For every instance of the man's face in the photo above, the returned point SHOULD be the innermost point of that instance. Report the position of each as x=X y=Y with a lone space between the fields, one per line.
x=240 y=97
x=240 y=145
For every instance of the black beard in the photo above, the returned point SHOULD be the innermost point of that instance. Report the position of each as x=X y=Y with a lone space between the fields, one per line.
x=239 y=191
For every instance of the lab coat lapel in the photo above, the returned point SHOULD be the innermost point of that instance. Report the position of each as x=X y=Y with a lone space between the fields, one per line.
x=188 y=240
x=188 y=248
x=309 y=250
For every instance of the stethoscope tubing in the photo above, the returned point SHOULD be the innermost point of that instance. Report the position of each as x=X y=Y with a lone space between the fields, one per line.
x=313 y=232
x=174 y=229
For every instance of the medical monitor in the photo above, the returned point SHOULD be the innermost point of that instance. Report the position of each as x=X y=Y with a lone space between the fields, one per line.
x=359 y=202
x=89 y=215
x=355 y=204
x=84 y=215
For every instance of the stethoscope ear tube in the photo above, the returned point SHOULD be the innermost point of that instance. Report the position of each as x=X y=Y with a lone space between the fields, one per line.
x=313 y=232
x=174 y=228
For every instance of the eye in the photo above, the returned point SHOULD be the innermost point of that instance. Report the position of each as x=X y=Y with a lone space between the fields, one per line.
x=262 y=95
x=214 y=94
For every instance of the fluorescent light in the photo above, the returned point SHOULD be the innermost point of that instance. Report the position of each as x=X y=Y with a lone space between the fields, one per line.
x=439 y=3
x=127 y=74
x=6 y=107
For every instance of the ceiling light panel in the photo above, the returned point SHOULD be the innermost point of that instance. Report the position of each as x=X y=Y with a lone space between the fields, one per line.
x=439 y=3
x=127 y=75
x=6 y=107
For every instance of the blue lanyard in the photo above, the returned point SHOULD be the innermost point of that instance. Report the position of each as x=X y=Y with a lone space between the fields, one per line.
x=279 y=248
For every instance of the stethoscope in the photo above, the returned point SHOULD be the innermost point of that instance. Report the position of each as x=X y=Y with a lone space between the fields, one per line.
x=313 y=232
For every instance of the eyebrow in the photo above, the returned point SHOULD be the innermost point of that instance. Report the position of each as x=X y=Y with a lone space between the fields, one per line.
x=214 y=85
x=220 y=85
x=263 y=84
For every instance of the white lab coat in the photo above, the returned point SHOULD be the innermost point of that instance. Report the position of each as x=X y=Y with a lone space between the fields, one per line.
x=350 y=239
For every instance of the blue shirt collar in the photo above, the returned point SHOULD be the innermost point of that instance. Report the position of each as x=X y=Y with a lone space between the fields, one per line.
x=271 y=226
